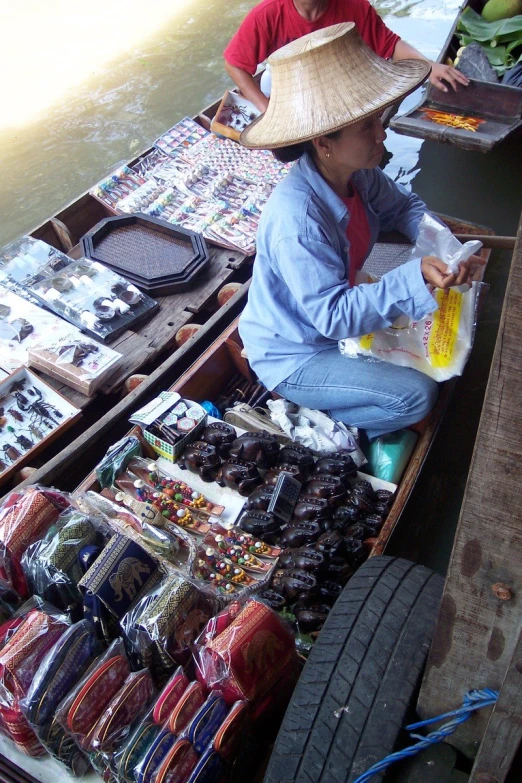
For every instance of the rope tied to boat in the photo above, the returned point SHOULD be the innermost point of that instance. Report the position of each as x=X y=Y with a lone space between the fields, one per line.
x=473 y=700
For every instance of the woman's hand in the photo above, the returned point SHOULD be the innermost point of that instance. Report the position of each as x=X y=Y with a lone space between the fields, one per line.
x=435 y=272
x=441 y=75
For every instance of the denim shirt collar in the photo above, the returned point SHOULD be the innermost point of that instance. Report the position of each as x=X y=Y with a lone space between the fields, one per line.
x=338 y=208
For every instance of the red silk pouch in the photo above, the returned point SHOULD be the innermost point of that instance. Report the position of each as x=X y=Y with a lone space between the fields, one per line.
x=249 y=656
x=18 y=729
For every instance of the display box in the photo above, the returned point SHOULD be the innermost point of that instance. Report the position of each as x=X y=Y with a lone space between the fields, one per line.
x=165 y=414
x=32 y=415
x=234 y=114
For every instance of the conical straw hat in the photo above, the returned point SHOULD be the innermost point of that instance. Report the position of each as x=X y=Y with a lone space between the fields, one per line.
x=326 y=80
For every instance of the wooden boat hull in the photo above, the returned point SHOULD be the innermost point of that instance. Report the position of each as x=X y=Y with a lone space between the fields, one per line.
x=499 y=105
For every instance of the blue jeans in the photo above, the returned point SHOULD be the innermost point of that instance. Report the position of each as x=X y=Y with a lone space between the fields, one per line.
x=373 y=395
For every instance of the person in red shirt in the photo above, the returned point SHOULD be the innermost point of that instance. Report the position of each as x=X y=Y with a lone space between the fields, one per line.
x=273 y=23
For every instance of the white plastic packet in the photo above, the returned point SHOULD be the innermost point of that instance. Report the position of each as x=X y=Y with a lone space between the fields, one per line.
x=438 y=344
x=437 y=240
x=315 y=429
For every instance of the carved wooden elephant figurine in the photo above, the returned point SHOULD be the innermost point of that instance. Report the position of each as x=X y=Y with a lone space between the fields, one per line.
x=240 y=475
x=201 y=458
x=258 y=447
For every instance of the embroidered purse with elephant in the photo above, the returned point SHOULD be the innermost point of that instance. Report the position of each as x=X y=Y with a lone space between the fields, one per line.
x=245 y=659
x=119 y=576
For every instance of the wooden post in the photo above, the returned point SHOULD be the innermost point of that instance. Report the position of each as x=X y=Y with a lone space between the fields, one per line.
x=504 y=730
x=479 y=622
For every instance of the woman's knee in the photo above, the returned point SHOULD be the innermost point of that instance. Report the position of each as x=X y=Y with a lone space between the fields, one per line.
x=422 y=394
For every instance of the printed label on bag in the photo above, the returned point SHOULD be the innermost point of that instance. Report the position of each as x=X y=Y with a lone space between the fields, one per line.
x=444 y=332
x=366 y=341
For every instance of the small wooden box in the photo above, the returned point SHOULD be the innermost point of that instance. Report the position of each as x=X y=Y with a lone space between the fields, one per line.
x=234 y=114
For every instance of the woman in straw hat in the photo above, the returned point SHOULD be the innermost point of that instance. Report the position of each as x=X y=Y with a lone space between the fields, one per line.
x=319 y=226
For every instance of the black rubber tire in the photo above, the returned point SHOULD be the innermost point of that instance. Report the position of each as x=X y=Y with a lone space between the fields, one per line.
x=360 y=680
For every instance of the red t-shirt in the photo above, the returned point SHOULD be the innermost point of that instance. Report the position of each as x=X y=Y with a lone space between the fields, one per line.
x=274 y=23
x=357 y=233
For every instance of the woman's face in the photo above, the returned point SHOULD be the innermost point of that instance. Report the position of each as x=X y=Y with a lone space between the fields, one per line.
x=358 y=146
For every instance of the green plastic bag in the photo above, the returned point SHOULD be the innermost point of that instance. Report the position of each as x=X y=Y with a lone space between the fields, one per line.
x=389 y=454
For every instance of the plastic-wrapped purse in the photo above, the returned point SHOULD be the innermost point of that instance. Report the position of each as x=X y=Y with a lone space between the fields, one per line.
x=53 y=566
x=25 y=516
x=122 y=572
x=128 y=706
x=80 y=711
x=247 y=658
x=20 y=657
x=162 y=626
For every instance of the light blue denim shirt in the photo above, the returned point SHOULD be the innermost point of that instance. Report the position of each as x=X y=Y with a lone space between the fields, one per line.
x=300 y=301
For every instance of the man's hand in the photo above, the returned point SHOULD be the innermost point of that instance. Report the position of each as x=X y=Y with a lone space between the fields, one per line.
x=435 y=272
x=446 y=73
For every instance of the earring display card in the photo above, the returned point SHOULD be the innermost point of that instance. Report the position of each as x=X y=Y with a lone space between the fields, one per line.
x=181 y=137
x=85 y=293
x=117 y=186
x=31 y=415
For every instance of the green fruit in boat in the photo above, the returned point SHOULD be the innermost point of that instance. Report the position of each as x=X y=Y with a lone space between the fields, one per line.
x=501 y=9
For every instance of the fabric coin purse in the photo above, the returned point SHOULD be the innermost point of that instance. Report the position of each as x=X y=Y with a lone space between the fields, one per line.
x=130 y=701
x=187 y=707
x=63 y=747
x=231 y=730
x=92 y=699
x=178 y=764
x=249 y=656
x=136 y=748
x=18 y=729
x=207 y=721
x=120 y=574
x=63 y=665
x=166 y=623
x=169 y=697
x=209 y=768
x=154 y=756
x=23 y=653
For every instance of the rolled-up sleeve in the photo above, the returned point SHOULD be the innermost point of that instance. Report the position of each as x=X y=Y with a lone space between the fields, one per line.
x=316 y=276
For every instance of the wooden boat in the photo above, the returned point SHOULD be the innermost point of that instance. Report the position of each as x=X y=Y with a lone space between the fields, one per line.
x=499 y=105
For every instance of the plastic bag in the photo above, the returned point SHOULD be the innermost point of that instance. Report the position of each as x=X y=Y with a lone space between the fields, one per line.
x=315 y=429
x=389 y=454
x=25 y=516
x=116 y=460
x=26 y=644
x=246 y=659
x=437 y=345
x=161 y=627
x=53 y=566
x=437 y=240
x=59 y=670
x=81 y=709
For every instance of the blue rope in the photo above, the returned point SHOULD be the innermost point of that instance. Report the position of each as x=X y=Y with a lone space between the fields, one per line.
x=473 y=700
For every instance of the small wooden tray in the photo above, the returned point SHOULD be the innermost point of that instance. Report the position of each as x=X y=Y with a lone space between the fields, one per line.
x=23 y=380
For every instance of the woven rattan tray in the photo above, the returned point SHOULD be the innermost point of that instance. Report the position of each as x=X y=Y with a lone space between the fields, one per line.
x=159 y=258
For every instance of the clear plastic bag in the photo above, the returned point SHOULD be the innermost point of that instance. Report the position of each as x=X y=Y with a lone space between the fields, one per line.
x=161 y=627
x=438 y=344
x=85 y=703
x=25 y=516
x=243 y=657
x=30 y=635
x=53 y=566
x=58 y=671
